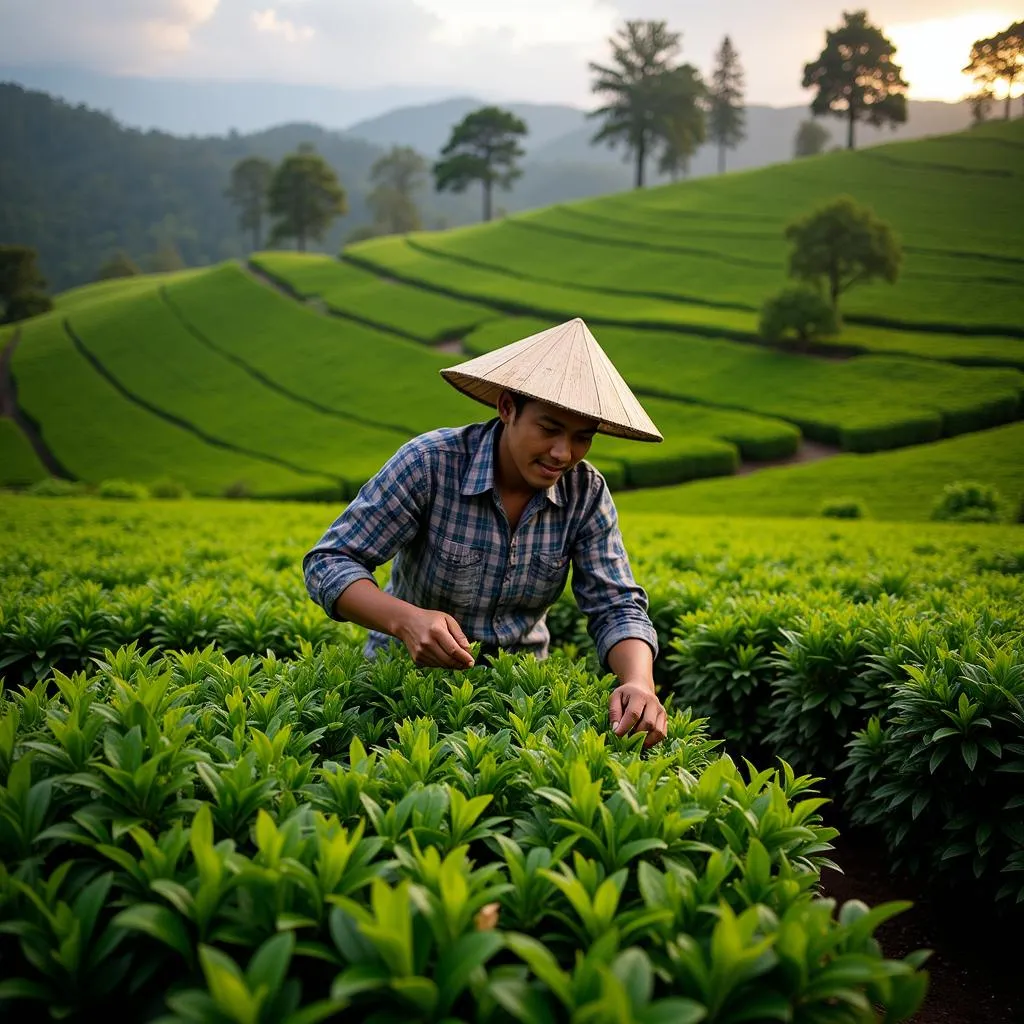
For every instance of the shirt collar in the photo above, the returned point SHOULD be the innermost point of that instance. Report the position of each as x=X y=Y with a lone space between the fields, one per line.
x=479 y=476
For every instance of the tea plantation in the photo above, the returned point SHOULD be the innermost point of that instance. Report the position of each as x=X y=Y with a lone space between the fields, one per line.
x=213 y=806
x=298 y=375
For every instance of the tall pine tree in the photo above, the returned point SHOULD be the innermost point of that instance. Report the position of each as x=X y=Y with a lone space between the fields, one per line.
x=726 y=114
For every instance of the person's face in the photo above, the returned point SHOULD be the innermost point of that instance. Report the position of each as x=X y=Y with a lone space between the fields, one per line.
x=543 y=441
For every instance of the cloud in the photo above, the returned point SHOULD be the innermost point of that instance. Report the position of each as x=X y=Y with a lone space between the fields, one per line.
x=268 y=21
x=499 y=49
x=123 y=36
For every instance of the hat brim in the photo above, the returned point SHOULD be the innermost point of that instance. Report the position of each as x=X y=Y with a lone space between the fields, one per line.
x=487 y=393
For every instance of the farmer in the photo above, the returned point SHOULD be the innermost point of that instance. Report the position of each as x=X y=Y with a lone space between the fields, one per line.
x=484 y=520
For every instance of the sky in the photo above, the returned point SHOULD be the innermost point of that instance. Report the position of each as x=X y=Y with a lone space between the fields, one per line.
x=531 y=50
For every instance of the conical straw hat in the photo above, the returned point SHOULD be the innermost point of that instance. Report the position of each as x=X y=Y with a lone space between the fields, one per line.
x=563 y=366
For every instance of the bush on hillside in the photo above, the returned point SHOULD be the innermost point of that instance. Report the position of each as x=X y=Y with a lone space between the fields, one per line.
x=119 y=265
x=799 y=311
x=27 y=304
x=52 y=487
x=843 y=508
x=168 y=489
x=123 y=490
x=967 y=501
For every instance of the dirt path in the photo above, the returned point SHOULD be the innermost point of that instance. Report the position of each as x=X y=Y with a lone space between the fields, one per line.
x=10 y=409
x=809 y=451
x=453 y=345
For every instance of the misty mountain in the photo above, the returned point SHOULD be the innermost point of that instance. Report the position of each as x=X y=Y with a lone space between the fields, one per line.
x=187 y=106
x=427 y=126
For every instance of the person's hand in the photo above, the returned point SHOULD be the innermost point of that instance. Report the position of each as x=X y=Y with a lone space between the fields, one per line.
x=634 y=707
x=435 y=640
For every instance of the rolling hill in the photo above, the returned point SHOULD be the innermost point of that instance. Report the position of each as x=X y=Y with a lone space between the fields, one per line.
x=297 y=376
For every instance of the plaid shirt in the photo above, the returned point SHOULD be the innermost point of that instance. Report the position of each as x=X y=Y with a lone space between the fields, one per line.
x=434 y=508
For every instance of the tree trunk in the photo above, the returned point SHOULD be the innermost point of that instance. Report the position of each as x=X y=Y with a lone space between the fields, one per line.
x=721 y=158
x=1009 y=87
x=849 y=131
x=833 y=288
x=641 y=154
x=487 y=199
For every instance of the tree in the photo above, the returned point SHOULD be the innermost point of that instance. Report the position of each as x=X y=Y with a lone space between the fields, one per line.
x=683 y=125
x=843 y=244
x=640 y=93
x=981 y=104
x=998 y=59
x=250 y=180
x=726 y=116
x=22 y=285
x=800 y=310
x=811 y=139
x=305 y=196
x=397 y=176
x=119 y=265
x=484 y=146
x=856 y=78
x=166 y=259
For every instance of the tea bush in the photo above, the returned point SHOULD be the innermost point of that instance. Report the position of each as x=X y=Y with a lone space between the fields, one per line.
x=244 y=839
x=122 y=490
x=843 y=508
x=968 y=501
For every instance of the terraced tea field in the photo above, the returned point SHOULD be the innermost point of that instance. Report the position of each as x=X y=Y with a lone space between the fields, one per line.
x=300 y=375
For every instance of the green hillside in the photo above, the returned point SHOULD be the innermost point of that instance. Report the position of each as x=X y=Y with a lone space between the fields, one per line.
x=300 y=375
x=902 y=484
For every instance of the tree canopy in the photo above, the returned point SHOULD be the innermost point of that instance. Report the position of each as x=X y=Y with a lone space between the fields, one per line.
x=811 y=139
x=250 y=180
x=856 y=78
x=651 y=103
x=305 y=197
x=22 y=285
x=726 y=114
x=484 y=146
x=998 y=59
x=683 y=126
x=119 y=265
x=843 y=244
x=398 y=176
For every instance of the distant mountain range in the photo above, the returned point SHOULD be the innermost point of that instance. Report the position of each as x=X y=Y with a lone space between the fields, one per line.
x=77 y=183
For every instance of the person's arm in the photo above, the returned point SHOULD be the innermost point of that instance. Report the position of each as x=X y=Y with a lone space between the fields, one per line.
x=383 y=517
x=433 y=638
x=616 y=610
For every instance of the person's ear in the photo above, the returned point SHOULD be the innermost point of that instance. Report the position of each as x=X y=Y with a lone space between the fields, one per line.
x=506 y=407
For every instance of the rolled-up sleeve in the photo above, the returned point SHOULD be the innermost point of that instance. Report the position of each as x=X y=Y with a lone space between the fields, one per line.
x=380 y=520
x=614 y=604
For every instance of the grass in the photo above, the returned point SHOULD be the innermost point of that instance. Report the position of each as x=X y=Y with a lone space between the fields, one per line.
x=893 y=485
x=19 y=464
x=864 y=402
x=350 y=290
x=97 y=433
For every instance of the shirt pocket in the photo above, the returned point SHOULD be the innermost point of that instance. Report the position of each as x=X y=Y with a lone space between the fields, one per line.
x=548 y=573
x=457 y=576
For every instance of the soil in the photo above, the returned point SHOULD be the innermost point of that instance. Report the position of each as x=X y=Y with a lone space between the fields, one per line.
x=809 y=451
x=973 y=967
x=453 y=345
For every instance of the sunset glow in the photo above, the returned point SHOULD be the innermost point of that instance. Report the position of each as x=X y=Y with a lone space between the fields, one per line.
x=932 y=53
